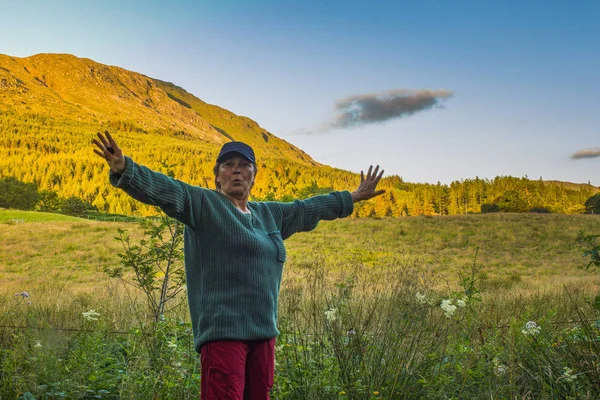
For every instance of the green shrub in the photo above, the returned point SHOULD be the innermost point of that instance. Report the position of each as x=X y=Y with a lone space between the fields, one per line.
x=17 y=194
x=75 y=206
x=489 y=208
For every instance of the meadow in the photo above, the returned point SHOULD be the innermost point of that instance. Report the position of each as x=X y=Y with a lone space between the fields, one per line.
x=480 y=306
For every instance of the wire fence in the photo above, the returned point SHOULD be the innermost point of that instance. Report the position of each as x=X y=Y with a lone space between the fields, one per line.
x=54 y=328
x=20 y=327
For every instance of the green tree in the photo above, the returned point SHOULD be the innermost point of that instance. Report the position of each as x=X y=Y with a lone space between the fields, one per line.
x=592 y=205
x=75 y=206
x=156 y=260
x=17 y=194
x=489 y=208
x=512 y=201
x=49 y=201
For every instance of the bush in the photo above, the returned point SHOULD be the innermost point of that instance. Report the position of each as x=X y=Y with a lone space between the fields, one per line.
x=76 y=207
x=17 y=194
x=49 y=201
x=540 y=210
x=512 y=201
x=592 y=205
x=489 y=208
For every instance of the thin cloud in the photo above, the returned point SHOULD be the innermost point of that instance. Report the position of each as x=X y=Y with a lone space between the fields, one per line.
x=586 y=153
x=376 y=108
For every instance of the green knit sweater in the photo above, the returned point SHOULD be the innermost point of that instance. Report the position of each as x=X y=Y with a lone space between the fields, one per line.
x=233 y=260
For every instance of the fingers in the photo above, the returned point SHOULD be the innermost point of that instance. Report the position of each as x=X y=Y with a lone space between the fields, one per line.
x=106 y=144
x=111 y=142
x=100 y=154
x=102 y=150
x=103 y=139
x=99 y=145
x=375 y=194
x=380 y=175
x=373 y=174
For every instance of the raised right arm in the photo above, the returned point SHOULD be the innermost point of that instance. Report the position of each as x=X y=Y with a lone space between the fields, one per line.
x=177 y=199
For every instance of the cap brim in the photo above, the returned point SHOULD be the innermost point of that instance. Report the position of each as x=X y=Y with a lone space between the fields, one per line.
x=232 y=153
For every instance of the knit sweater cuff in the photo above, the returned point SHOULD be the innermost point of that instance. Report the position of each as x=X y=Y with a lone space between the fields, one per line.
x=347 y=203
x=123 y=180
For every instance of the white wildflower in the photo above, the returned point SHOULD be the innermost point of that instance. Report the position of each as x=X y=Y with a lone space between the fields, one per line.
x=37 y=344
x=331 y=314
x=91 y=315
x=420 y=298
x=568 y=375
x=448 y=308
x=461 y=303
x=531 y=328
x=499 y=368
x=171 y=345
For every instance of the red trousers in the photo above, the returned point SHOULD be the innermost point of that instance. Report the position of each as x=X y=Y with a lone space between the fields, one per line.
x=237 y=370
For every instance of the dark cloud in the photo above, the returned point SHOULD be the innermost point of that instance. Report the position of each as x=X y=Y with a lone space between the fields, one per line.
x=364 y=109
x=586 y=153
x=376 y=108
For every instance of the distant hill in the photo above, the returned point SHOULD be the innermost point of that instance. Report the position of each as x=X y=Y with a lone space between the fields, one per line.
x=62 y=85
x=52 y=105
x=574 y=186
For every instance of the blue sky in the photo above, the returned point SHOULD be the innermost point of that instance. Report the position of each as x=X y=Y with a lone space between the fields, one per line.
x=524 y=76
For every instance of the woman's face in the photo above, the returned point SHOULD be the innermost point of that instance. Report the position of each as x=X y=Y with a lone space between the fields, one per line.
x=236 y=177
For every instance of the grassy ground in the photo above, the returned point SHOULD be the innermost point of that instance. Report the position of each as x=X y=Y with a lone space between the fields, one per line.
x=353 y=325
x=45 y=248
x=515 y=251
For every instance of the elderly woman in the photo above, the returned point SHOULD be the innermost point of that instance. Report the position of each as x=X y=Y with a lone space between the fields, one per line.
x=234 y=256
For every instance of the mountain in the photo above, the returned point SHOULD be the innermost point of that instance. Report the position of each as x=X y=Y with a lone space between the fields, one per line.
x=62 y=85
x=52 y=105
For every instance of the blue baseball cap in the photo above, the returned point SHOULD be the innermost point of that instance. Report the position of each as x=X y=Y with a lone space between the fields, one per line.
x=237 y=147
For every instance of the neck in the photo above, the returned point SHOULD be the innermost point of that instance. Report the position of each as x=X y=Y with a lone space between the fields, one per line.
x=240 y=203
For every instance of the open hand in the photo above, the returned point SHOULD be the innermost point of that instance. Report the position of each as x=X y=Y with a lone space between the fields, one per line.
x=366 y=189
x=107 y=149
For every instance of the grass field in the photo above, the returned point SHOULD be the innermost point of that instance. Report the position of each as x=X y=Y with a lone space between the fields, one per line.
x=353 y=324
x=522 y=251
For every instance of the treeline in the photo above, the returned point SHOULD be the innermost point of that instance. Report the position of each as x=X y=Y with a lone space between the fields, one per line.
x=26 y=196
x=56 y=155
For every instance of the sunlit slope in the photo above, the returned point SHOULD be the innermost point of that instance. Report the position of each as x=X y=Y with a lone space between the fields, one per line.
x=237 y=127
x=62 y=85
x=51 y=106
